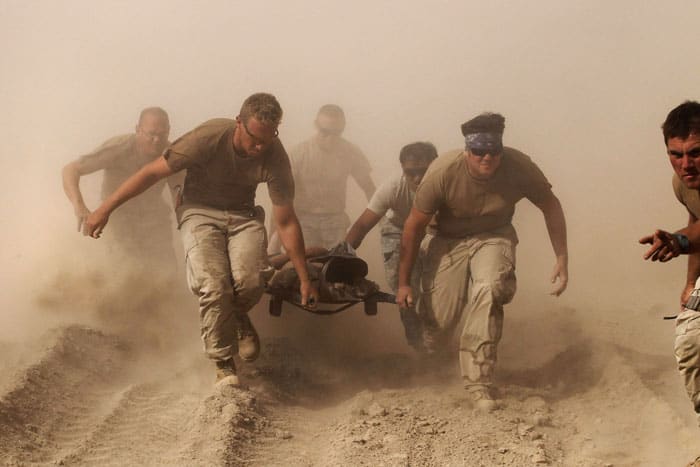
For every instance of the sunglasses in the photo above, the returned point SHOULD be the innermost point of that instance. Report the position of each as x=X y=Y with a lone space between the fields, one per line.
x=256 y=139
x=483 y=152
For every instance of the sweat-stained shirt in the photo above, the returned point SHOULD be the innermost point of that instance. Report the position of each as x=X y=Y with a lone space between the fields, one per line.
x=321 y=177
x=220 y=178
x=467 y=206
x=687 y=196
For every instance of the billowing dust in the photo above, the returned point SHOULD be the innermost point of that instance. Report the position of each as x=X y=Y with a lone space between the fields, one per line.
x=102 y=363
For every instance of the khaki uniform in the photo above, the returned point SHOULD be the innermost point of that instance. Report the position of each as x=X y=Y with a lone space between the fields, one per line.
x=223 y=232
x=140 y=230
x=469 y=260
x=321 y=189
x=687 y=345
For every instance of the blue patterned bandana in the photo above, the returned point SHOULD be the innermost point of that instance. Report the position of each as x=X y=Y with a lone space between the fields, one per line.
x=484 y=142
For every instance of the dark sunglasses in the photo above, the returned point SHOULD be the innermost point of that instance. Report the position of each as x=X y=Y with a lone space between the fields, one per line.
x=483 y=152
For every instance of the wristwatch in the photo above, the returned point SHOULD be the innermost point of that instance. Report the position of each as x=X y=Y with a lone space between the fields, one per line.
x=683 y=242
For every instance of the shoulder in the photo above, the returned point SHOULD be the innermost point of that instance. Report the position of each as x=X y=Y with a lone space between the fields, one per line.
x=118 y=142
x=446 y=164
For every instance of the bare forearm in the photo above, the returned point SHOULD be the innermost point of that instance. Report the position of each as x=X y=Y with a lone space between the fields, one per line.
x=367 y=220
x=411 y=237
x=71 y=185
x=556 y=227
x=293 y=241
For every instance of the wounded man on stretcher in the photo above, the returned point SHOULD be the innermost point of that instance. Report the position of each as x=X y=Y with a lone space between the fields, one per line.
x=338 y=273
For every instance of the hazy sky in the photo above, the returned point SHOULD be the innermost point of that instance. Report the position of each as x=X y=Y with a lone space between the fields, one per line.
x=584 y=86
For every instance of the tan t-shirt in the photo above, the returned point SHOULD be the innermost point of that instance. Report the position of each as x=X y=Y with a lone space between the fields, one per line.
x=321 y=178
x=120 y=160
x=220 y=178
x=467 y=206
x=688 y=197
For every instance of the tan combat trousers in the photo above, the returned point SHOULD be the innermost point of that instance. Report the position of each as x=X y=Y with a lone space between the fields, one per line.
x=227 y=269
x=324 y=230
x=471 y=278
x=687 y=350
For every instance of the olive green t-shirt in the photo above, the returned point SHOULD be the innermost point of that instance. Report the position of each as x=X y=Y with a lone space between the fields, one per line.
x=220 y=178
x=467 y=206
x=687 y=196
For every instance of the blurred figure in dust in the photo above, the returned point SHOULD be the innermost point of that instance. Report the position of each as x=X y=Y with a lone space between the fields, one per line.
x=391 y=204
x=142 y=231
x=681 y=132
x=468 y=263
x=223 y=231
x=321 y=167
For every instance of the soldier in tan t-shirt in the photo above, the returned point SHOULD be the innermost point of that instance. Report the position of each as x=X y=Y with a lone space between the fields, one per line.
x=681 y=132
x=321 y=167
x=223 y=232
x=468 y=264
x=142 y=231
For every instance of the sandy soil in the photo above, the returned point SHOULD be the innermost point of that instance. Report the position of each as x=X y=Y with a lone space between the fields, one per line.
x=574 y=392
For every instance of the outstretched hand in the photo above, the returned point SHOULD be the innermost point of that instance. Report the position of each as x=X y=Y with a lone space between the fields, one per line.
x=560 y=273
x=664 y=246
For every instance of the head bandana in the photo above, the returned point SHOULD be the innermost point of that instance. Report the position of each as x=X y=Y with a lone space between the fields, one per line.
x=484 y=141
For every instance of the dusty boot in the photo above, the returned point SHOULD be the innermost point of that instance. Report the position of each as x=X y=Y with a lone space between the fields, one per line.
x=226 y=373
x=482 y=399
x=695 y=463
x=248 y=340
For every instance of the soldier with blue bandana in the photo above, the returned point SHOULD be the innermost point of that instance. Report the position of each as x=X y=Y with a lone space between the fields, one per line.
x=468 y=261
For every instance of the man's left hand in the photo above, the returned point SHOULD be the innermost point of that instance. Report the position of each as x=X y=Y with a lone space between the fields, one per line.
x=561 y=273
x=664 y=246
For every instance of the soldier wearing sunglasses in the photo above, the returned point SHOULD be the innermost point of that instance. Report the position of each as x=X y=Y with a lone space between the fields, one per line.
x=391 y=204
x=468 y=261
x=321 y=167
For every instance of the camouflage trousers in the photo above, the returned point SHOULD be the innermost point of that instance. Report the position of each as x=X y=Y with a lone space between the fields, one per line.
x=467 y=279
x=227 y=269
x=324 y=230
x=391 y=246
x=687 y=350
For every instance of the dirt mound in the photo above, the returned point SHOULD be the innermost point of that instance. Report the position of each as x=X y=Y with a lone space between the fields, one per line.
x=79 y=396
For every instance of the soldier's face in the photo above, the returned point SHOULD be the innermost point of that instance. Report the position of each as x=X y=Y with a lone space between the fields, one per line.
x=152 y=135
x=329 y=129
x=254 y=138
x=482 y=166
x=684 y=155
x=413 y=172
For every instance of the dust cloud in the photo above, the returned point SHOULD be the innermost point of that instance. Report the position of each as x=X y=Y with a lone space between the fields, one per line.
x=584 y=87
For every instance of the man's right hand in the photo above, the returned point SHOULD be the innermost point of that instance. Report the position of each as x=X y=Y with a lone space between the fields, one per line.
x=309 y=294
x=95 y=223
x=404 y=296
x=81 y=213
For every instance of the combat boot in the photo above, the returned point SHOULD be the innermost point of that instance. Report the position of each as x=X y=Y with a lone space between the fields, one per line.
x=482 y=399
x=226 y=373
x=248 y=340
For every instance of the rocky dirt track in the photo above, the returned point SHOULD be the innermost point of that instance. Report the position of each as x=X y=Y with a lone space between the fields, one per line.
x=79 y=396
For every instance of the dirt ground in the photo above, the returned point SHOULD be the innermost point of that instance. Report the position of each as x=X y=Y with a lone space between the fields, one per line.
x=577 y=389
